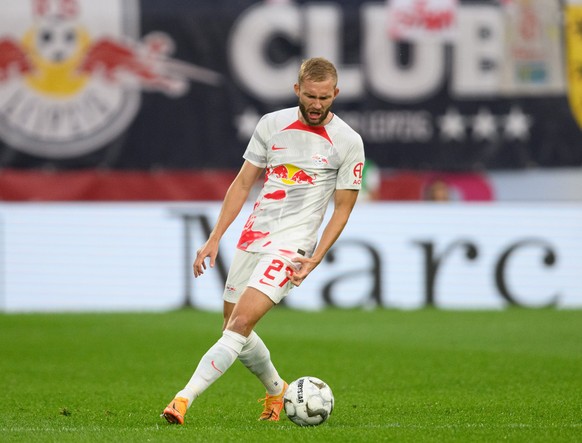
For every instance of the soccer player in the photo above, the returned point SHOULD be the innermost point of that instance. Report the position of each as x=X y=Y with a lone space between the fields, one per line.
x=309 y=155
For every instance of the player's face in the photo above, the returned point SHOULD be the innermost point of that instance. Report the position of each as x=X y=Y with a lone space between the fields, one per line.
x=315 y=100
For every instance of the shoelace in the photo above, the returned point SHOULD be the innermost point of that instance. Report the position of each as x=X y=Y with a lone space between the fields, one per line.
x=268 y=403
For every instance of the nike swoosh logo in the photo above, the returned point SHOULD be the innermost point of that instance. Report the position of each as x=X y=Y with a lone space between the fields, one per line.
x=265 y=283
x=275 y=148
x=214 y=366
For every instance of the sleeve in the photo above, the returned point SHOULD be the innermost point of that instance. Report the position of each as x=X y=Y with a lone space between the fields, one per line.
x=351 y=170
x=256 y=151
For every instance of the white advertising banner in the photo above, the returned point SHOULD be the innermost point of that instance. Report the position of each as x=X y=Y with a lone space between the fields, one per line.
x=137 y=257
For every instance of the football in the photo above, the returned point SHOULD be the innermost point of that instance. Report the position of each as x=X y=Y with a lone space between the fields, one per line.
x=308 y=401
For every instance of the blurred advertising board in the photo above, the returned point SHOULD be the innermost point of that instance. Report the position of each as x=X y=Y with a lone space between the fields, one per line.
x=138 y=257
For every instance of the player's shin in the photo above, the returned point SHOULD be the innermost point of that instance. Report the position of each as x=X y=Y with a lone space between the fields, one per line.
x=213 y=364
x=257 y=358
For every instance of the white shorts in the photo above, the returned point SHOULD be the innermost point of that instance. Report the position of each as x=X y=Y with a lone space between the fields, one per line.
x=265 y=272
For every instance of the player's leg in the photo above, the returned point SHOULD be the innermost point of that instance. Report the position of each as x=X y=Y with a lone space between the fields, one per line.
x=227 y=308
x=218 y=358
x=246 y=269
x=255 y=356
x=240 y=318
x=269 y=278
x=211 y=366
x=250 y=308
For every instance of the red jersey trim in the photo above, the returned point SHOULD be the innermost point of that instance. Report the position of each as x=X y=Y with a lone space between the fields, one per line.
x=317 y=130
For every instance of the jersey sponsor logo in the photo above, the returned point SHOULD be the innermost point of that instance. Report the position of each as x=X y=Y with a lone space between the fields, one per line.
x=290 y=175
x=358 y=172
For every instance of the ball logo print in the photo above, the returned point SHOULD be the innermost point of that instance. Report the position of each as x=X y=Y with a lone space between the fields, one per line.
x=308 y=401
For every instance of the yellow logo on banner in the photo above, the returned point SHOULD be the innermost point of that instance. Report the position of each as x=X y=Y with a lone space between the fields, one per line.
x=574 y=53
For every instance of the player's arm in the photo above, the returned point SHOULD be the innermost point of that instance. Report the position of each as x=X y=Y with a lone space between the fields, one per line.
x=234 y=200
x=344 y=201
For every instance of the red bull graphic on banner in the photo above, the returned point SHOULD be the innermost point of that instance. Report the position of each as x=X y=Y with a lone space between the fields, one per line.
x=71 y=73
x=422 y=19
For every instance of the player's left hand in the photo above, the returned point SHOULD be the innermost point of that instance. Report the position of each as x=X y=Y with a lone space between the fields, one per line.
x=304 y=266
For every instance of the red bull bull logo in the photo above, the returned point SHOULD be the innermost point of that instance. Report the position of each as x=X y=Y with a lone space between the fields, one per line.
x=69 y=82
x=290 y=175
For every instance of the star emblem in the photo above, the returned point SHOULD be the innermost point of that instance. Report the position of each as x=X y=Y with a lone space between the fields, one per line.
x=517 y=124
x=484 y=125
x=452 y=125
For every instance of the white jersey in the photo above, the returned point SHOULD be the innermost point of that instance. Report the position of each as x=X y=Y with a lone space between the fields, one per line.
x=304 y=166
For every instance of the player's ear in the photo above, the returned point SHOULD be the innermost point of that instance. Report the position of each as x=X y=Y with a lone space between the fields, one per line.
x=296 y=89
x=335 y=92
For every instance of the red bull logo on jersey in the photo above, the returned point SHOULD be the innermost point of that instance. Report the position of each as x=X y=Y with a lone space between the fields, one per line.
x=72 y=71
x=290 y=175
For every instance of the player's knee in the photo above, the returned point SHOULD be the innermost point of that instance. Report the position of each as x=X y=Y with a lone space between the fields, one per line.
x=240 y=324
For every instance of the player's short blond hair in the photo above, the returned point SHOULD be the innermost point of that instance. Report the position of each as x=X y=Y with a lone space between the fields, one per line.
x=317 y=69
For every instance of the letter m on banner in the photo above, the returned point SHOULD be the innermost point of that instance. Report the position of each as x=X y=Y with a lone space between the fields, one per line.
x=422 y=20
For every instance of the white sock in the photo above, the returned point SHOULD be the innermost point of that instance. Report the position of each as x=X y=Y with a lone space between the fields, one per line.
x=257 y=358
x=213 y=364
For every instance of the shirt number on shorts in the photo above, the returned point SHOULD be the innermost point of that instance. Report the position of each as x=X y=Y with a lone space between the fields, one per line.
x=276 y=267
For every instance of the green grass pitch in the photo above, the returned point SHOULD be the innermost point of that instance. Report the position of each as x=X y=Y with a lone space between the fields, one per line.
x=427 y=375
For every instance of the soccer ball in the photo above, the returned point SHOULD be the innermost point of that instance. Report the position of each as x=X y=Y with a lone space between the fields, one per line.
x=308 y=401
